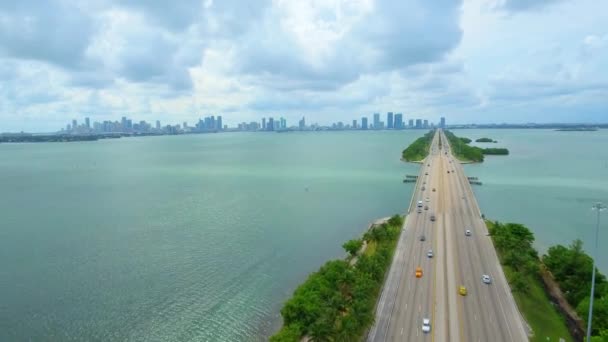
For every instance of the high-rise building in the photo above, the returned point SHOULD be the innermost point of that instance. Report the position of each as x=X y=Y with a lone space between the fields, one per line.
x=263 y=124
x=410 y=123
x=270 y=124
x=302 y=124
x=363 y=123
x=158 y=125
x=283 y=123
x=376 y=120
x=68 y=127
x=398 y=124
x=425 y=124
x=87 y=122
x=74 y=124
x=218 y=123
x=123 y=123
x=355 y=124
x=389 y=120
x=442 y=122
x=418 y=123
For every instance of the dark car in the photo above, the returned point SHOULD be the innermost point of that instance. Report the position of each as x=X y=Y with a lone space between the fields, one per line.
x=433 y=218
x=422 y=237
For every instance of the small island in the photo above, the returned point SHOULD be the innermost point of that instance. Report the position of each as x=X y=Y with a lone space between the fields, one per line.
x=578 y=129
x=485 y=140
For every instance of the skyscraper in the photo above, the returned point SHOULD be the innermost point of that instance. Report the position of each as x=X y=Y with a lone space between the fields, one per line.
x=418 y=123
x=158 y=125
x=87 y=122
x=363 y=123
x=302 y=124
x=442 y=122
x=376 y=120
x=74 y=124
x=411 y=123
x=398 y=121
x=355 y=124
x=270 y=124
x=218 y=124
x=389 y=120
x=283 y=124
x=263 y=124
x=425 y=124
x=123 y=124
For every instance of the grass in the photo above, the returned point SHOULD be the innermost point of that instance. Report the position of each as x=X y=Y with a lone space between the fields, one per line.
x=370 y=249
x=546 y=322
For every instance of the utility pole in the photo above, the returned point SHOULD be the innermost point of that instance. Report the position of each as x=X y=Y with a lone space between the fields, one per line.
x=599 y=207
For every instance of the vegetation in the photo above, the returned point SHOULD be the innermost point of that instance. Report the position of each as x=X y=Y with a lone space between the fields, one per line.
x=463 y=151
x=496 y=151
x=520 y=262
x=337 y=302
x=572 y=267
x=419 y=149
x=353 y=246
x=486 y=140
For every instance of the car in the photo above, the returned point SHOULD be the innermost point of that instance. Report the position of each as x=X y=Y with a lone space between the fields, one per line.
x=428 y=164
x=419 y=210
x=426 y=173
x=426 y=325
x=423 y=188
x=486 y=279
x=448 y=171
x=427 y=199
x=433 y=218
x=419 y=204
x=426 y=207
x=429 y=253
x=467 y=232
x=433 y=189
x=418 y=272
x=422 y=237
x=462 y=290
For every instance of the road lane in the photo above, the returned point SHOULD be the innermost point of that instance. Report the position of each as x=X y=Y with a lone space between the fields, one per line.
x=488 y=312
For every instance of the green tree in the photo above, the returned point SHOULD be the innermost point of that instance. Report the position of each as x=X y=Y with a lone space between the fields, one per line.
x=353 y=246
x=289 y=333
x=395 y=221
x=600 y=313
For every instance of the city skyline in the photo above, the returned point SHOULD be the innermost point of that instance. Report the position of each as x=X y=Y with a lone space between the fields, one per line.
x=212 y=123
x=328 y=61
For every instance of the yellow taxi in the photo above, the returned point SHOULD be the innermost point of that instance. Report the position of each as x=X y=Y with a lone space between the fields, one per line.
x=462 y=290
x=418 y=272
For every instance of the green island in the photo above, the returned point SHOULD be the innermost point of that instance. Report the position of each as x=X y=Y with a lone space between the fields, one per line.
x=337 y=302
x=486 y=140
x=419 y=149
x=536 y=283
x=463 y=151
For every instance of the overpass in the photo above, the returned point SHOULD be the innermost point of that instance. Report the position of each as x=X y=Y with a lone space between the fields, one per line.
x=488 y=311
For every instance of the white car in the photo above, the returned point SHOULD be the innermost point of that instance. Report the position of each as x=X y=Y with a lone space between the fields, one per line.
x=426 y=325
x=429 y=253
x=467 y=232
x=428 y=199
x=486 y=279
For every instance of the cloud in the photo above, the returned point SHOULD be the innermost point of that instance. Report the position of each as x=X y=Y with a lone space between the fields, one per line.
x=526 y=5
x=48 y=31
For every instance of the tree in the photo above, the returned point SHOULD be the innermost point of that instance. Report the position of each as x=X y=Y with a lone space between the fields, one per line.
x=395 y=221
x=289 y=333
x=353 y=246
x=600 y=313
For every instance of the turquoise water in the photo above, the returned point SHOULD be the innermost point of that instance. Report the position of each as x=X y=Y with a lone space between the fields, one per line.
x=201 y=238
x=181 y=238
x=549 y=182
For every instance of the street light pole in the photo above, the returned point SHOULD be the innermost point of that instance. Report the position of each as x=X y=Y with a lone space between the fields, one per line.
x=599 y=207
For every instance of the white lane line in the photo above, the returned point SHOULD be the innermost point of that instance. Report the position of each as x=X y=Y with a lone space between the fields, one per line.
x=401 y=331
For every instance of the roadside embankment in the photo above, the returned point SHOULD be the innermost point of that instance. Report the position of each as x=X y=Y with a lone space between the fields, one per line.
x=552 y=292
x=419 y=149
x=337 y=302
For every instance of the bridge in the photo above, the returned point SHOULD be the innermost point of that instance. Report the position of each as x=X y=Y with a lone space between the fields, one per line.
x=459 y=258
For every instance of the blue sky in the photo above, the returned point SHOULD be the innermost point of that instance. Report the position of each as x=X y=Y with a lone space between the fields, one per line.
x=471 y=61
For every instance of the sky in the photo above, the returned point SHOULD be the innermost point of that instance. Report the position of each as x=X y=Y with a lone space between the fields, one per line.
x=471 y=61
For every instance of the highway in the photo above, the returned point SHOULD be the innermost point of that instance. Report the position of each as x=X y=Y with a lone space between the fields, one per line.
x=488 y=312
